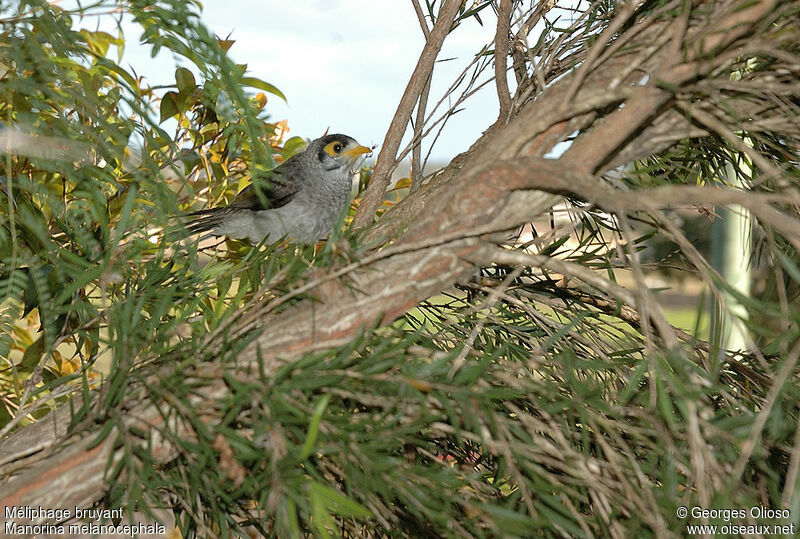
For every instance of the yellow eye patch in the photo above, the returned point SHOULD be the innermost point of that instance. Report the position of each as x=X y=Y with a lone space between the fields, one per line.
x=334 y=148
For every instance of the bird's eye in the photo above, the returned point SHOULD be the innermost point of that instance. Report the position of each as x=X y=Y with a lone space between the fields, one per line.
x=334 y=148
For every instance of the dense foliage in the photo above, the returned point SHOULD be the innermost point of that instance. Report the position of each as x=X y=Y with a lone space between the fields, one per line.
x=93 y=176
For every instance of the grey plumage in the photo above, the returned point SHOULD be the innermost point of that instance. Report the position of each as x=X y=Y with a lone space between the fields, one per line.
x=302 y=198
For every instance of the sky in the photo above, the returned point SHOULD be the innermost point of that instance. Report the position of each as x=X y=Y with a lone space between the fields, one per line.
x=342 y=64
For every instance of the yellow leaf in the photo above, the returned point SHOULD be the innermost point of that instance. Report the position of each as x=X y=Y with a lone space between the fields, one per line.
x=23 y=336
x=225 y=44
x=419 y=385
x=402 y=183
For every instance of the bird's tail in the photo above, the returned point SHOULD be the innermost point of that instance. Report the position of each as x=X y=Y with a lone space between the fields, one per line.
x=196 y=222
x=204 y=220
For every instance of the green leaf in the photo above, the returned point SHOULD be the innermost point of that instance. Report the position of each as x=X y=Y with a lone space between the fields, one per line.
x=553 y=247
x=254 y=82
x=508 y=520
x=111 y=67
x=337 y=503
x=32 y=356
x=184 y=79
x=321 y=518
x=292 y=146
x=169 y=105
x=313 y=427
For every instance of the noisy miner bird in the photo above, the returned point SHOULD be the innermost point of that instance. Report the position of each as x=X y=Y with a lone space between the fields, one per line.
x=302 y=198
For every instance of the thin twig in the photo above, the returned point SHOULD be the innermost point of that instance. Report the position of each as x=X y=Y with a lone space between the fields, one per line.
x=501 y=45
x=416 y=151
x=620 y=18
x=386 y=163
x=419 y=120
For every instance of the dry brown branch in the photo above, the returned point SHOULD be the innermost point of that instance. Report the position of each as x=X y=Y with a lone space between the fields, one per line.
x=589 y=63
x=501 y=46
x=518 y=46
x=386 y=163
x=419 y=120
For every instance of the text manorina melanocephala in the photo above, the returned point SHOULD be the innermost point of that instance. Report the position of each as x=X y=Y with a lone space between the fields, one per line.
x=302 y=198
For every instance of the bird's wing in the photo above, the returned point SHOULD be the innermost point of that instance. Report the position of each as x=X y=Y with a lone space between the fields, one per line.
x=277 y=189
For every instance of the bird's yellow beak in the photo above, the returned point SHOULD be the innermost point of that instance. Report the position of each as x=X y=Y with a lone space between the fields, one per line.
x=355 y=152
